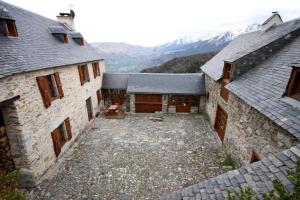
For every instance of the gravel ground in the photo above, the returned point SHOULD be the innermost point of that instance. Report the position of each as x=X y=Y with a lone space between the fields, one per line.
x=136 y=158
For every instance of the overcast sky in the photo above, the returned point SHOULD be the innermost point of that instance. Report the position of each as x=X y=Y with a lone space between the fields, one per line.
x=152 y=22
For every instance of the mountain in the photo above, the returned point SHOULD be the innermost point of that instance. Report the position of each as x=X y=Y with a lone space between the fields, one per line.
x=187 y=64
x=122 y=57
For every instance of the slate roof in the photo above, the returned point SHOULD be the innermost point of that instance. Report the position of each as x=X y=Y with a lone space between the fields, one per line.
x=156 y=83
x=115 y=81
x=245 y=44
x=258 y=176
x=36 y=48
x=263 y=87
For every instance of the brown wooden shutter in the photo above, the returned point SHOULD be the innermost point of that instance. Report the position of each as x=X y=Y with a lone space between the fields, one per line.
x=94 y=70
x=68 y=127
x=98 y=69
x=56 y=141
x=87 y=73
x=98 y=96
x=44 y=90
x=58 y=84
x=80 y=74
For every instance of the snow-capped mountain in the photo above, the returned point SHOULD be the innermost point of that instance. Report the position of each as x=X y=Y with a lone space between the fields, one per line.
x=130 y=58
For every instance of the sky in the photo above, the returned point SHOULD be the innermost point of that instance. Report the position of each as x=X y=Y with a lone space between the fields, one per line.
x=154 y=22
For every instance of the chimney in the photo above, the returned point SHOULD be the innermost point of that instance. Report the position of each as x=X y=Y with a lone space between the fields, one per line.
x=274 y=20
x=67 y=19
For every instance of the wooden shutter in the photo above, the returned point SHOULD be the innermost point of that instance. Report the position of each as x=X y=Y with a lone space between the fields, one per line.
x=44 y=90
x=98 y=96
x=80 y=74
x=58 y=84
x=95 y=70
x=98 y=69
x=68 y=127
x=56 y=141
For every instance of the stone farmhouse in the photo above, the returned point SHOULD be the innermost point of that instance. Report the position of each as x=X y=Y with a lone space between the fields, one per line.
x=51 y=89
x=50 y=82
x=253 y=91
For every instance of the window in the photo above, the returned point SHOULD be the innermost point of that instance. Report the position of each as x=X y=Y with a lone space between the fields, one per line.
x=98 y=96
x=227 y=71
x=83 y=74
x=50 y=88
x=66 y=40
x=89 y=108
x=254 y=157
x=81 y=41
x=61 y=135
x=96 y=69
x=10 y=28
x=293 y=88
x=224 y=92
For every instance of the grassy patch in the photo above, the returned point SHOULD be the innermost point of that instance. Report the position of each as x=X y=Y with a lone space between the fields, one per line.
x=229 y=161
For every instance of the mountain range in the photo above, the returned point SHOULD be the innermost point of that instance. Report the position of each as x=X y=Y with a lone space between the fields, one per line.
x=122 y=57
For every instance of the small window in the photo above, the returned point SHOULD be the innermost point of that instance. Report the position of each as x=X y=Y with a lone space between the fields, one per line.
x=293 y=88
x=61 y=135
x=96 y=69
x=89 y=108
x=207 y=96
x=254 y=157
x=66 y=40
x=81 y=41
x=227 y=71
x=10 y=28
x=50 y=88
x=224 y=92
x=83 y=74
x=98 y=96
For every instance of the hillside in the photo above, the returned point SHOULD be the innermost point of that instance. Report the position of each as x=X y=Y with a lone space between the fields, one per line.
x=188 y=64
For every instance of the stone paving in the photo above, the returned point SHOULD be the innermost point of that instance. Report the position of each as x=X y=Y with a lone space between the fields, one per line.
x=136 y=158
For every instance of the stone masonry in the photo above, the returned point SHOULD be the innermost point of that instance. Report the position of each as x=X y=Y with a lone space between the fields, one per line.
x=246 y=129
x=29 y=123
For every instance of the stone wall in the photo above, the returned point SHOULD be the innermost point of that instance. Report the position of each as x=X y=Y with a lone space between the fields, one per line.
x=247 y=130
x=29 y=123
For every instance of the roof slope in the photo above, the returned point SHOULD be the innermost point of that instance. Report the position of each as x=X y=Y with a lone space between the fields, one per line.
x=36 y=48
x=245 y=44
x=263 y=86
x=258 y=176
x=156 y=83
x=115 y=81
x=166 y=83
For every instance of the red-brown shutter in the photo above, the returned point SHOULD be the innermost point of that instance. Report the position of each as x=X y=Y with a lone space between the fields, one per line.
x=80 y=74
x=98 y=96
x=68 y=127
x=94 y=70
x=58 y=84
x=44 y=90
x=56 y=141
x=87 y=72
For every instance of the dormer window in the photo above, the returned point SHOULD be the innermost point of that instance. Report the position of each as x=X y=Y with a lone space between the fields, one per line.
x=293 y=88
x=227 y=74
x=7 y=23
x=227 y=71
x=77 y=37
x=60 y=33
x=10 y=28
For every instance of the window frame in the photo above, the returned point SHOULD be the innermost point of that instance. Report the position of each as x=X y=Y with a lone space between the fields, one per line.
x=10 y=28
x=61 y=135
x=83 y=74
x=293 y=83
x=96 y=69
x=66 y=39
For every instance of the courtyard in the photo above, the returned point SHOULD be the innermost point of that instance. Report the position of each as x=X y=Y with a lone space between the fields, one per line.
x=136 y=158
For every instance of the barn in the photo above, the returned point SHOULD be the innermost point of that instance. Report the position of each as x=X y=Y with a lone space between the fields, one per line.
x=153 y=92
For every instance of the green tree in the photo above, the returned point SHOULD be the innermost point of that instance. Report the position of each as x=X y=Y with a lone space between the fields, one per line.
x=9 y=186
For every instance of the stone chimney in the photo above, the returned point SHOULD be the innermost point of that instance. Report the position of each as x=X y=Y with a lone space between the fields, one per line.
x=67 y=19
x=274 y=20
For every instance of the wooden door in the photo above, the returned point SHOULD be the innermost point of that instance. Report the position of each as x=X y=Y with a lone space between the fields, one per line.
x=89 y=108
x=221 y=121
x=183 y=103
x=148 y=103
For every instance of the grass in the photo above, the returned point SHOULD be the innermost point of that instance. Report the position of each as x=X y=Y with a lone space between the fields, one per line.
x=228 y=161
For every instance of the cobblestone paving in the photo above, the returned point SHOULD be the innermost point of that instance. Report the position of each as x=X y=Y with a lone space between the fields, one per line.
x=136 y=158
